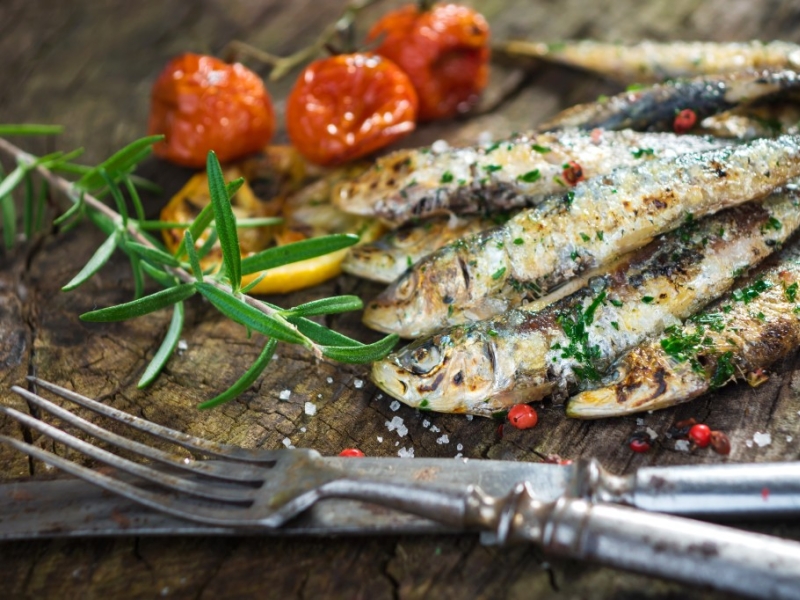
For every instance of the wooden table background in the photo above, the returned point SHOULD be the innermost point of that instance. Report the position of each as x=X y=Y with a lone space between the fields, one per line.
x=89 y=65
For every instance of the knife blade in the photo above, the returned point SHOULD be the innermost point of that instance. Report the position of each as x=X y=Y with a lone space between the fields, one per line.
x=71 y=508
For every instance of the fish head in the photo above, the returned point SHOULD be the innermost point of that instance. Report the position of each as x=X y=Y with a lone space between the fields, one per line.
x=449 y=372
x=420 y=301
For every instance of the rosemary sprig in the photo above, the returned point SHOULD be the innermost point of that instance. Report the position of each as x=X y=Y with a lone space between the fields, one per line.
x=180 y=273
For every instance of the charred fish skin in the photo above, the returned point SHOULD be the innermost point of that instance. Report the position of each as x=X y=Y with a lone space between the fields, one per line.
x=414 y=184
x=387 y=258
x=650 y=61
x=654 y=108
x=600 y=219
x=750 y=329
x=521 y=356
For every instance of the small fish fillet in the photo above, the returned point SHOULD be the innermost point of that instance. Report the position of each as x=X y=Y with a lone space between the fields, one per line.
x=541 y=248
x=520 y=172
x=522 y=355
x=649 y=61
x=748 y=330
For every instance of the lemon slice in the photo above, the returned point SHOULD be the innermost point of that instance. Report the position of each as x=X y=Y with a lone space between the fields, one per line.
x=306 y=212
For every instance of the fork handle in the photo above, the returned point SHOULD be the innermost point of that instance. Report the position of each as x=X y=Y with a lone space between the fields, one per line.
x=750 y=564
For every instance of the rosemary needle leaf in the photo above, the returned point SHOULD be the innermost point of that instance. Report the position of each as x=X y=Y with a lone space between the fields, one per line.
x=41 y=199
x=246 y=380
x=325 y=306
x=252 y=318
x=226 y=222
x=122 y=208
x=233 y=186
x=135 y=199
x=361 y=354
x=166 y=349
x=198 y=226
x=321 y=334
x=208 y=245
x=28 y=206
x=30 y=129
x=99 y=258
x=9 y=220
x=142 y=306
x=72 y=211
x=296 y=251
x=154 y=255
x=188 y=241
x=254 y=283
x=12 y=180
x=138 y=276
x=119 y=162
x=158 y=275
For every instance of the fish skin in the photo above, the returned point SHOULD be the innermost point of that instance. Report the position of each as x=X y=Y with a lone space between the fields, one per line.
x=414 y=184
x=543 y=247
x=650 y=61
x=650 y=378
x=524 y=355
x=654 y=108
x=387 y=258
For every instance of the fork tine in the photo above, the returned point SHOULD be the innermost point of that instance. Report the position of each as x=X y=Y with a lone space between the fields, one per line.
x=189 y=442
x=229 y=472
x=164 y=502
x=211 y=491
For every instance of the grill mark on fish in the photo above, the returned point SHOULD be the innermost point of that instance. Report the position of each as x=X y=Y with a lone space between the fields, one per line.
x=747 y=335
x=524 y=355
x=512 y=174
x=650 y=61
x=606 y=218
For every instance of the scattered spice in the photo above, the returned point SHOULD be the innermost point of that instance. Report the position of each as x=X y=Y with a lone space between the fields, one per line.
x=720 y=443
x=572 y=173
x=639 y=442
x=351 y=453
x=522 y=416
x=700 y=434
x=684 y=121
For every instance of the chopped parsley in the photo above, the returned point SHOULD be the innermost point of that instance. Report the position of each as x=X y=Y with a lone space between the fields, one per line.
x=540 y=149
x=791 y=292
x=773 y=223
x=492 y=168
x=724 y=371
x=520 y=241
x=600 y=235
x=647 y=299
x=635 y=87
x=568 y=198
x=615 y=302
x=615 y=325
x=499 y=273
x=585 y=237
x=491 y=332
x=492 y=148
x=559 y=181
x=575 y=324
x=640 y=152
x=751 y=292
x=447 y=177
x=530 y=176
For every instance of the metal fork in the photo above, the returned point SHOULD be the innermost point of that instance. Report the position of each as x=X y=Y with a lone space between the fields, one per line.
x=252 y=489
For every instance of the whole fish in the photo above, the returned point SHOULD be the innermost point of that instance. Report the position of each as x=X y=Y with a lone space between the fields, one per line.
x=654 y=108
x=750 y=329
x=649 y=61
x=387 y=258
x=541 y=248
x=522 y=355
x=753 y=121
x=413 y=184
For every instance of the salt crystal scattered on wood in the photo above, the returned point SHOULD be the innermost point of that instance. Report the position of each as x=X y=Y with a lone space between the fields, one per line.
x=470 y=417
x=380 y=439
x=395 y=405
x=310 y=409
x=396 y=424
x=329 y=379
x=287 y=442
x=651 y=432
x=439 y=146
x=682 y=445
x=749 y=443
x=406 y=453
x=762 y=439
x=284 y=395
x=426 y=423
x=444 y=439
x=359 y=383
x=460 y=447
x=435 y=429
x=182 y=345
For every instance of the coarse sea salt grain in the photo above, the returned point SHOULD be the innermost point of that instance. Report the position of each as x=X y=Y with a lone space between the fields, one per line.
x=310 y=409
x=459 y=455
x=748 y=443
x=470 y=417
x=406 y=453
x=640 y=422
x=460 y=447
x=395 y=405
x=789 y=438
x=439 y=146
x=435 y=429
x=182 y=345
x=380 y=439
x=287 y=442
x=762 y=439
x=682 y=445
x=359 y=383
x=284 y=395
x=651 y=432
x=329 y=379
x=303 y=430
x=444 y=439
x=397 y=424
x=426 y=423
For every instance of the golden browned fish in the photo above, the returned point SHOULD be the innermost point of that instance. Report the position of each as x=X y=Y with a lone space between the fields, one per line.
x=649 y=61
x=750 y=329
x=413 y=184
x=521 y=356
x=539 y=249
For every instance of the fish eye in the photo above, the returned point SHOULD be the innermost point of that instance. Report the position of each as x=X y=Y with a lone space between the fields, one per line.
x=405 y=286
x=423 y=359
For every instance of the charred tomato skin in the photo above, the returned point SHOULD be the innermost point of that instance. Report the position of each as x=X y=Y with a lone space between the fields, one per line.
x=347 y=106
x=201 y=103
x=444 y=50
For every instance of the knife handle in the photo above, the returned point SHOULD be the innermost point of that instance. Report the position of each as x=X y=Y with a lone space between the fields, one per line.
x=676 y=548
x=728 y=490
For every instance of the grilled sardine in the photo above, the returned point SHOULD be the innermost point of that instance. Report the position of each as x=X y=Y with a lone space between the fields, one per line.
x=751 y=328
x=412 y=184
x=523 y=355
x=654 y=108
x=650 y=61
x=484 y=275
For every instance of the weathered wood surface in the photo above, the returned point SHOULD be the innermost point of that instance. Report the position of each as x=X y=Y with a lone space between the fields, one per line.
x=89 y=66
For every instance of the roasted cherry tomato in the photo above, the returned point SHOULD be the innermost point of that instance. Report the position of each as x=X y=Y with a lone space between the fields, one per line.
x=201 y=103
x=347 y=106
x=444 y=50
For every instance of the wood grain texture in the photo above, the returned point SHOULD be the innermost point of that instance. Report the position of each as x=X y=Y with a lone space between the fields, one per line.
x=89 y=65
